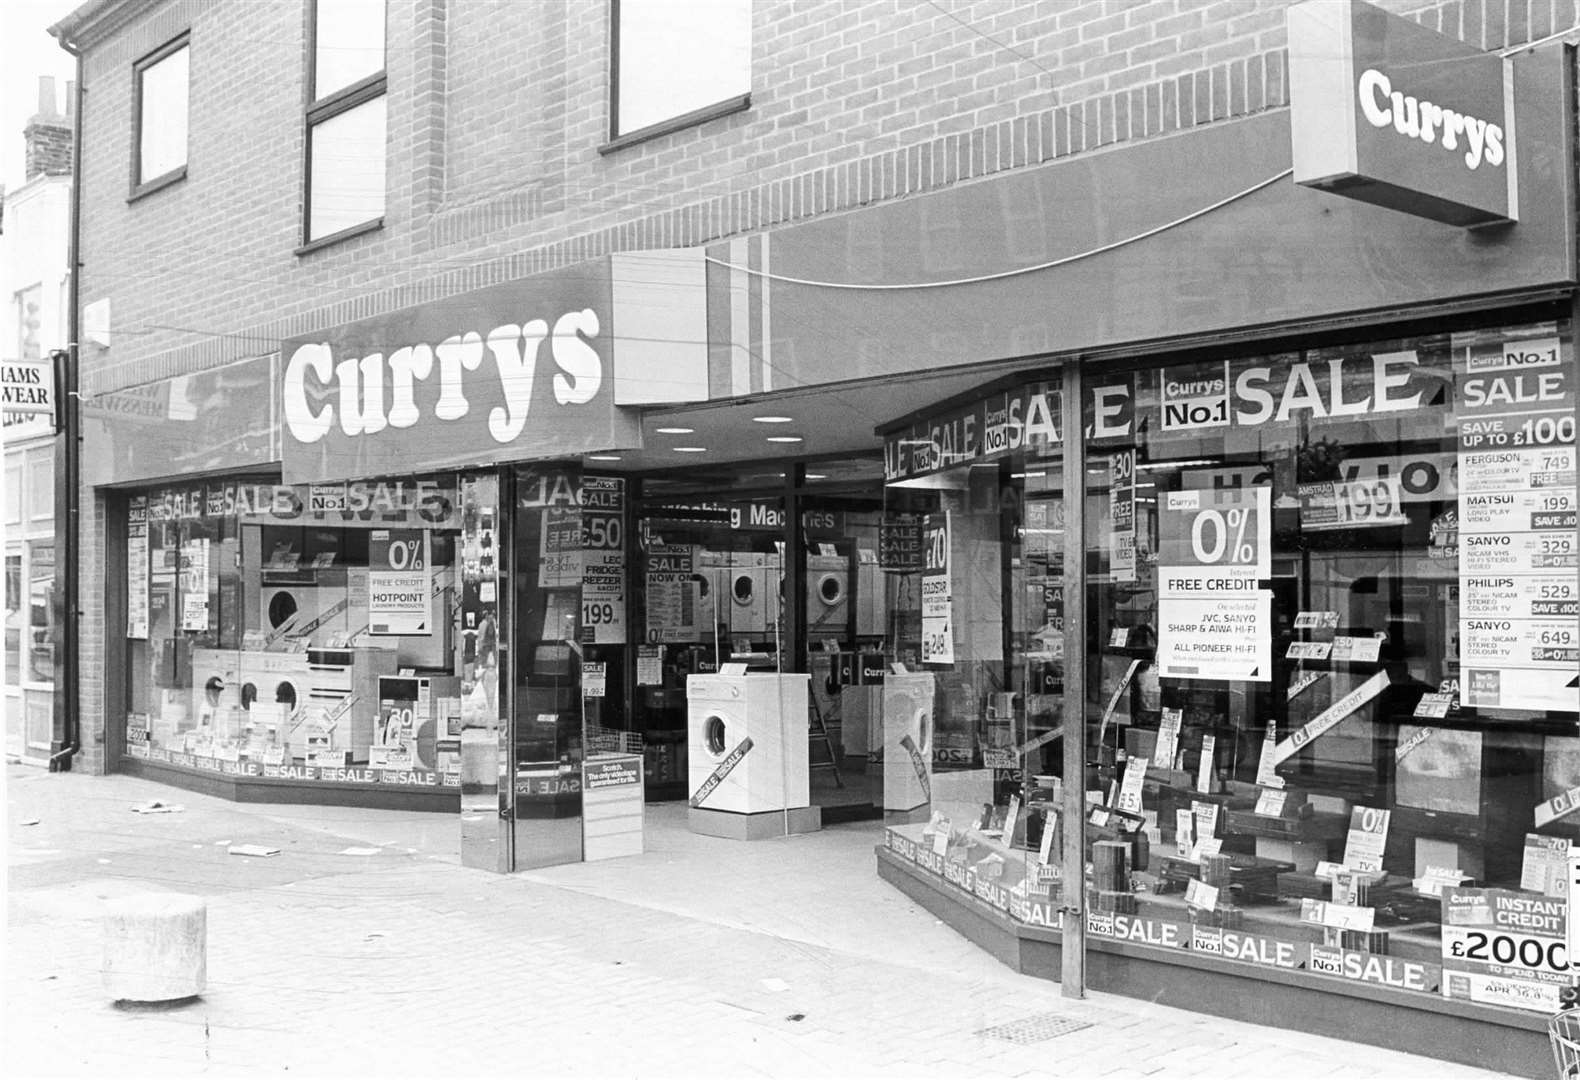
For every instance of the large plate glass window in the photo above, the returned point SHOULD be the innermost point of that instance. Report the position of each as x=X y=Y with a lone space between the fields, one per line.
x=160 y=95
x=1331 y=661
x=346 y=117
x=672 y=61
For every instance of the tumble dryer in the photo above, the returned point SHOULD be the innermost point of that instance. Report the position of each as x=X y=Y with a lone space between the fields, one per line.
x=827 y=595
x=908 y=701
x=731 y=774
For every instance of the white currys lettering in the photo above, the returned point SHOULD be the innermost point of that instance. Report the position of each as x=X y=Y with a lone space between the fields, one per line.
x=360 y=382
x=1382 y=105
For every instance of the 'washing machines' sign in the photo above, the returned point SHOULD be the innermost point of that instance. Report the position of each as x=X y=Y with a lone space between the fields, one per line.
x=505 y=373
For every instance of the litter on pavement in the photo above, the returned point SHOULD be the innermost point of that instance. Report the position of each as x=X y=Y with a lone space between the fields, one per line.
x=256 y=850
x=154 y=806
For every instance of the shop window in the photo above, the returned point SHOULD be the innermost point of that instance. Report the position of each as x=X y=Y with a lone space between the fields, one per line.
x=41 y=485
x=160 y=82
x=678 y=64
x=29 y=317
x=298 y=633
x=39 y=640
x=15 y=619
x=13 y=492
x=346 y=121
x=1329 y=654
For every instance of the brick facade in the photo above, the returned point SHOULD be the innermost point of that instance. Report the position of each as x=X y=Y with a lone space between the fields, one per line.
x=497 y=113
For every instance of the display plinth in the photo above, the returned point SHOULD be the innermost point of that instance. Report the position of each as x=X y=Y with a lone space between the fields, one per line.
x=764 y=825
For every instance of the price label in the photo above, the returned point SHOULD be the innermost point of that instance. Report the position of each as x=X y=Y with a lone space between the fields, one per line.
x=1357 y=504
x=1368 y=836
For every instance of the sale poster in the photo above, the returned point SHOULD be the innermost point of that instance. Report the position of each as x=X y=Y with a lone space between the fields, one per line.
x=1215 y=550
x=1519 y=619
x=194 y=585
x=603 y=560
x=399 y=589
x=1503 y=947
x=560 y=548
x=1122 y=516
x=938 y=637
x=137 y=570
x=673 y=608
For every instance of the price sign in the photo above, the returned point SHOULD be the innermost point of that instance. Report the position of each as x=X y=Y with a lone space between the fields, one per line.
x=1355 y=504
x=938 y=639
x=1368 y=836
x=399 y=592
x=1215 y=547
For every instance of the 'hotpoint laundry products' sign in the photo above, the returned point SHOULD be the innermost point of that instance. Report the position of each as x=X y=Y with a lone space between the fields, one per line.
x=1388 y=112
x=510 y=372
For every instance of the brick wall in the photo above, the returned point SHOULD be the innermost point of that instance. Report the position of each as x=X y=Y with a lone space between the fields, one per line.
x=497 y=112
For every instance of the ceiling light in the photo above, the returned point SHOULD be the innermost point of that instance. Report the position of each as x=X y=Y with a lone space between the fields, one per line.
x=816 y=476
x=674 y=430
x=691 y=449
x=785 y=438
x=773 y=419
x=603 y=457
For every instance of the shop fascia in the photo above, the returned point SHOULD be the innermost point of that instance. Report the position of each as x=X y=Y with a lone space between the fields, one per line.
x=1194 y=396
x=514 y=349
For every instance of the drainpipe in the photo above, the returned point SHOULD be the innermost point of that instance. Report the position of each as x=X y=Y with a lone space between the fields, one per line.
x=68 y=555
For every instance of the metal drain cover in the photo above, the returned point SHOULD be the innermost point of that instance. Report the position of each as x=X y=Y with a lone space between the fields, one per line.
x=1034 y=1029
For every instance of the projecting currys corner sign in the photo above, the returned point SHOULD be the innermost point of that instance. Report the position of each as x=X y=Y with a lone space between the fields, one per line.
x=507 y=373
x=1385 y=111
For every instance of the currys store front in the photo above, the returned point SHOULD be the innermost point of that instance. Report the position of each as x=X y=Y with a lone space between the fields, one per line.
x=1194 y=603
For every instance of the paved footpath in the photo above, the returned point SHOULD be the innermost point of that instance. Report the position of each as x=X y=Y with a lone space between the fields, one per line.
x=700 y=958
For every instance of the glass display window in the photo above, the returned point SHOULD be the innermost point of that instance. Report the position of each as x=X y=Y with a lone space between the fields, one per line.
x=297 y=632
x=1331 y=603
x=1330 y=642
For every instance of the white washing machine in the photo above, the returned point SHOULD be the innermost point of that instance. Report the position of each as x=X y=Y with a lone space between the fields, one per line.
x=294 y=607
x=871 y=601
x=827 y=595
x=713 y=585
x=752 y=600
x=723 y=711
x=907 y=740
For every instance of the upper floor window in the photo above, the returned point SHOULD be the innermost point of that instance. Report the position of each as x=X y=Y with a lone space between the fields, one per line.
x=345 y=120
x=679 y=63
x=160 y=114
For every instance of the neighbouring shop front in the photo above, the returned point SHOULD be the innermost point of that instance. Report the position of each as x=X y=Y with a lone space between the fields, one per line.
x=1196 y=606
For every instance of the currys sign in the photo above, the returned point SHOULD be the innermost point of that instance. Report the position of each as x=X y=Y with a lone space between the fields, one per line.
x=1385 y=111
x=508 y=373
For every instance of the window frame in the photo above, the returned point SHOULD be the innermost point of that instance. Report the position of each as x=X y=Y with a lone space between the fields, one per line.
x=140 y=186
x=619 y=140
x=316 y=112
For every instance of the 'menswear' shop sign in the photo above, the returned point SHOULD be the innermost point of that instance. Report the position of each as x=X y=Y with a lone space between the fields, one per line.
x=1385 y=111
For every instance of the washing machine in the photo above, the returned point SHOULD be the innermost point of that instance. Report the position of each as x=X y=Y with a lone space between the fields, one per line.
x=712 y=584
x=827 y=595
x=871 y=605
x=293 y=607
x=723 y=711
x=753 y=600
x=231 y=679
x=907 y=740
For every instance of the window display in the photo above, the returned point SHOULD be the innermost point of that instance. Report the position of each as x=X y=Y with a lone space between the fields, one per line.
x=301 y=632
x=1331 y=652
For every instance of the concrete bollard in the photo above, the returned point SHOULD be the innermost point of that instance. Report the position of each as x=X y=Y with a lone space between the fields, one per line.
x=155 y=947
